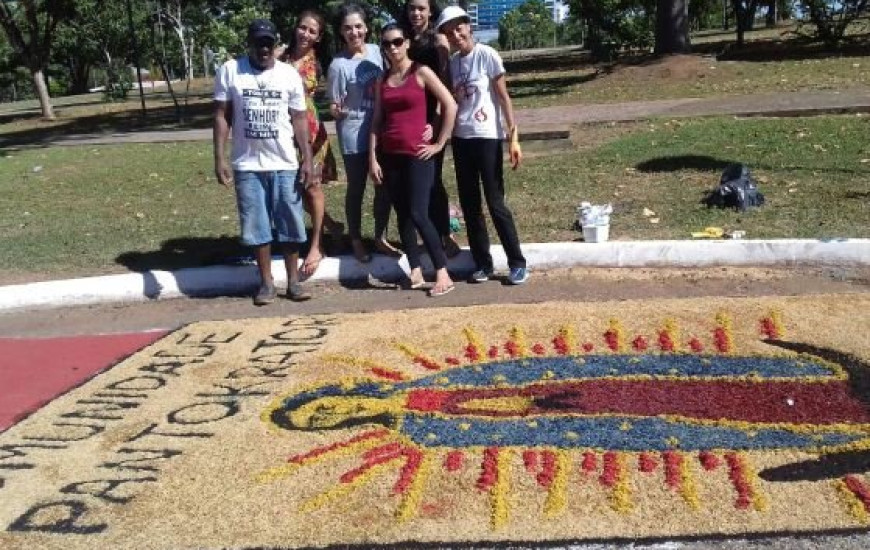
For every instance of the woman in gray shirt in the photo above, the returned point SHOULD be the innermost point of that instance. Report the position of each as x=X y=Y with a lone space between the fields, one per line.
x=350 y=87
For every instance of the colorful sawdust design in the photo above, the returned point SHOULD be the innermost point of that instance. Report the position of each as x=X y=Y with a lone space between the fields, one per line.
x=505 y=425
x=639 y=406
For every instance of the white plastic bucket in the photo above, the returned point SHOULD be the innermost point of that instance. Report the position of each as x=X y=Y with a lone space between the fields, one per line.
x=596 y=233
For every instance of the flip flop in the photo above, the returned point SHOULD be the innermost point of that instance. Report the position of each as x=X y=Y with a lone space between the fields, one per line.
x=310 y=267
x=434 y=293
x=418 y=285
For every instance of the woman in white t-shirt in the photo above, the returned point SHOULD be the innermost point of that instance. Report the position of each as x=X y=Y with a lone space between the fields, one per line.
x=478 y=85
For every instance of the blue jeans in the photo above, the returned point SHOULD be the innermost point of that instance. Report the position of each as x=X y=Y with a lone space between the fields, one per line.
x=270 y=207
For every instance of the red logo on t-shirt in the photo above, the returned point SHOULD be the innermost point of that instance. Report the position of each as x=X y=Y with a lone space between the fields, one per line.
x=480 y=115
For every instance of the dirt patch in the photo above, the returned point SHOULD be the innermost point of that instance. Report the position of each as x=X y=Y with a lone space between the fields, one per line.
x=580 y=284
x=673 y=67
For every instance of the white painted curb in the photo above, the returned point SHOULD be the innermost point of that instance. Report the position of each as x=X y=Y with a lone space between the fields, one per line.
x=229 y=280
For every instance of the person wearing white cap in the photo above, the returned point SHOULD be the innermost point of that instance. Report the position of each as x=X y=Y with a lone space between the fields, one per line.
x=478 y=83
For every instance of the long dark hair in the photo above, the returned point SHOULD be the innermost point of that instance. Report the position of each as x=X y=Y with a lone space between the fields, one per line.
x=405 y=22
x=402 y=19
x=391 y=26
x=321 y=24
x=347 y=9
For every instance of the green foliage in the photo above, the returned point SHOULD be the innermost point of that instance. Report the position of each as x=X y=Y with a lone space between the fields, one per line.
x=615 y=25
x=118 y=82
x=529 y=25
x=705 y=14
x=832 y=18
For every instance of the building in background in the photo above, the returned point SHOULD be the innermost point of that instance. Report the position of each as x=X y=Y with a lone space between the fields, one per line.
x=485 y=14
x=558 y=9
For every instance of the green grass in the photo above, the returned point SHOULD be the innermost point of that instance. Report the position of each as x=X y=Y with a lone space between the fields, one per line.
x=699 y=76
x=91 y=210
x=814 y=172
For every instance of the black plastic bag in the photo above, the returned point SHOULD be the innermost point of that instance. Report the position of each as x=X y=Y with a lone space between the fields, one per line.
x=737 y=189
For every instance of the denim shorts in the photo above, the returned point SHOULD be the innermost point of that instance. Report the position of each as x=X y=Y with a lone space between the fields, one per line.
x=270 y=207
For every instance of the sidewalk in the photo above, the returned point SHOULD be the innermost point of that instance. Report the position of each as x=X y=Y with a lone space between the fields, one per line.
x=224 y=280
x=544 y=119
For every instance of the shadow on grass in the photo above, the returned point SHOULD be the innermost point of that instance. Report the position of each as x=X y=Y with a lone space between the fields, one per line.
x=789 y=49
x=706 y=163
x=683 y=162
x=547 y=85
x=196 y=115
x=185 y=252
x=557 y=61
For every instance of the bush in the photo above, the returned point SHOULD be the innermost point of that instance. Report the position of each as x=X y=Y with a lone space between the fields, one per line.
x=118 y=82
x=831 y=18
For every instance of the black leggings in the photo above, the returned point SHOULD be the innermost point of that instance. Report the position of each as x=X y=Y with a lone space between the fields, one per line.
x=439 y=202
x=409 y=180
x=479 y=165
x=356 y=167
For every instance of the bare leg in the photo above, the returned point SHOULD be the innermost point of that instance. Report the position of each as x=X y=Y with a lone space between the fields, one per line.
x=263 y=257
x=417 y=280
x=295 y=291
x=314 y=203
x=291 y=264
x=266 y=293
x=443 y=282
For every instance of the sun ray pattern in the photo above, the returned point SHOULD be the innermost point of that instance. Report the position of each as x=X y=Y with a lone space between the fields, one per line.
x=516 y=388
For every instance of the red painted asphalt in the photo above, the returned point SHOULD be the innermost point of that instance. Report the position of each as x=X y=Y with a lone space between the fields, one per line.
x=33 y=371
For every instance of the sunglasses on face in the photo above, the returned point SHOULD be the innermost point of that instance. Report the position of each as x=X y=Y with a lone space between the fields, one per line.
x=264 y=43
x=395 y=42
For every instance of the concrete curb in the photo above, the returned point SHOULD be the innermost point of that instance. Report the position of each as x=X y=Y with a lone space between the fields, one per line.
x=234 y=280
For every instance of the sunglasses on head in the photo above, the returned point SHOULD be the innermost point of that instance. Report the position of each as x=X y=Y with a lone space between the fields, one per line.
x=396 y=42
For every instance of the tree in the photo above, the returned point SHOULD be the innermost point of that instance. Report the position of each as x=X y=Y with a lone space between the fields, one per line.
x=98 y=36
x=615 y=24
x=833 y=17
x=529 y=25
x=30 y=27
x=672 y=27
x=744 y=13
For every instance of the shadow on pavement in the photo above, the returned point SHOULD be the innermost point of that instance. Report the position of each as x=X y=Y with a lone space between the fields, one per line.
x=235 y=263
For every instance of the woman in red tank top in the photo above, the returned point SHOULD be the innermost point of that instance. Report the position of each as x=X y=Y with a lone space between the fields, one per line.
x=403 y=162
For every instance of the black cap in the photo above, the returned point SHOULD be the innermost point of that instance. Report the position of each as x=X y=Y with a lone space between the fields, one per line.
x=262 y=28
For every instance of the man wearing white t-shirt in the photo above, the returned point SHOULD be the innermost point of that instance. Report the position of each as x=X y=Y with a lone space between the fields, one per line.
x=262 y=102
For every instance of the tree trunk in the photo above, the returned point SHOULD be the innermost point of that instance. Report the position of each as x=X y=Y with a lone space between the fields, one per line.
x=770 y=20
x=80 y=76
x=42 y=93
x=672 y=27
x=739 y=21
